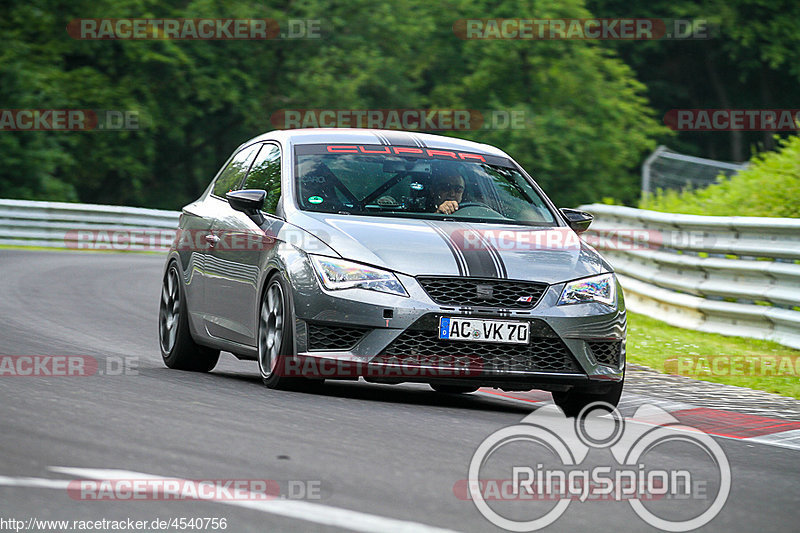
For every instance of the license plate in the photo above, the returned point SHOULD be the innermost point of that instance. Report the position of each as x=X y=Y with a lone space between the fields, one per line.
x=475 y=329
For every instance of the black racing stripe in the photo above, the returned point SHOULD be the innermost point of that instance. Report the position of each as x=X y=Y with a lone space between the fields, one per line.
x=399 y=139
x=480 y=262
x=380 y=137
x=457 y=256
x=498 y=259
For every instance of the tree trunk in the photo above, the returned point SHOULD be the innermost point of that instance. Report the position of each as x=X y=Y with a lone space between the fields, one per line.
x=736 y=137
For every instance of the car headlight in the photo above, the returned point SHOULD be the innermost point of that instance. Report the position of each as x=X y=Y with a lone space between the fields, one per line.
x=338 y=274
x=601 y=289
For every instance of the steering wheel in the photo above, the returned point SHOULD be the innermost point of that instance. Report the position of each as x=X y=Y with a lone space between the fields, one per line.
x=474 y=204
x=478 y=210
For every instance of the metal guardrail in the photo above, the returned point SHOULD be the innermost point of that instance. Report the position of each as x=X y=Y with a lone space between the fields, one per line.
x=85 y=226
x=728 y=275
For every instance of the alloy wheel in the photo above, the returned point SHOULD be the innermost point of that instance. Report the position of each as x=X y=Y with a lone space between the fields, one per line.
x=170 y=311
x=270 y=330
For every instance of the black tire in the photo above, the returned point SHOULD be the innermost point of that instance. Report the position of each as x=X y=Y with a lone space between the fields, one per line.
x=573 y=402
x=453 y=389
x=276 y=334
x=178 y=349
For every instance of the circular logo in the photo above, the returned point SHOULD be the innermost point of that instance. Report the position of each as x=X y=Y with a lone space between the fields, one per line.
x=315 y=199
x=569 y=441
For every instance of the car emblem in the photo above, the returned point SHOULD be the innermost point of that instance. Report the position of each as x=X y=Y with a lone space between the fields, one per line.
x=525 y=299
x=484 y=291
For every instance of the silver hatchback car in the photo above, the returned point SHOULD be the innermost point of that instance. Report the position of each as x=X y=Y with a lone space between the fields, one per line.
x=393 y=257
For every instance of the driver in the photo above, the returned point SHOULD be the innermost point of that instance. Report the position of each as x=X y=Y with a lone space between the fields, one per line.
x=447 y=190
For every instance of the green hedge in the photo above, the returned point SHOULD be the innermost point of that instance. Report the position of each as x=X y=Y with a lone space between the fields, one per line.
x=769 y=187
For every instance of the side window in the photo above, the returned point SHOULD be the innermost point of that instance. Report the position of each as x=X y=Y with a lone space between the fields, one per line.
x=266 y=175
x=232 y=176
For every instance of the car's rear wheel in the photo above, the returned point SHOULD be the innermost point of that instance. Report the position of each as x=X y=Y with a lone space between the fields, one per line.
x=178 y=349
x=453 y=389
x=573 y=402
x=276 y=334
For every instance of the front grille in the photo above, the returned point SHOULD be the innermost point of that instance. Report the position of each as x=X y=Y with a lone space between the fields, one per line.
x=483 y=292
x=546 y=352
x=606 y=352
x=333 y=337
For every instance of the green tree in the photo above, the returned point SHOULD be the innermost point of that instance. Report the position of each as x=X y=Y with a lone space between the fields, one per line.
x=749 y=62
x=589 y=122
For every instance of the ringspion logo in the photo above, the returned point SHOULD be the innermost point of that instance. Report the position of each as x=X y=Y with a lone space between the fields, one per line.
x=537 y=469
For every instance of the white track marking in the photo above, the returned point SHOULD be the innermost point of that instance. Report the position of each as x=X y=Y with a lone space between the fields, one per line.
x=33 y=482
x=784 y=439
x=297 y=509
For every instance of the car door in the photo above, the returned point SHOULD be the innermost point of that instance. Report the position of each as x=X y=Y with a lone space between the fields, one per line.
x=232 y=298
x=194 y=236
x=217 y=273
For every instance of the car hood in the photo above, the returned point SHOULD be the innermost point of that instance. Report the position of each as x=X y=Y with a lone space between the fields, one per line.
x=445 y=248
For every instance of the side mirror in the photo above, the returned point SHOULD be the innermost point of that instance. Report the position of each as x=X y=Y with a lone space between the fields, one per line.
x=249 y=201
x=579 y=221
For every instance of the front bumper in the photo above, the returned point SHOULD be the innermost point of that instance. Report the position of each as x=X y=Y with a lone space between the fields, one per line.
x=364 y=333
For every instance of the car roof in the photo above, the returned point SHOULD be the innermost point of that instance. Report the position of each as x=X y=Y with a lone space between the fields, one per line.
x=372 y=137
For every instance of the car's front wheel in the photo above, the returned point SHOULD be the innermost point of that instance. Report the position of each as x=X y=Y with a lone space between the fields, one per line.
x=276 y=333
x=178 y=349
x=573 y=402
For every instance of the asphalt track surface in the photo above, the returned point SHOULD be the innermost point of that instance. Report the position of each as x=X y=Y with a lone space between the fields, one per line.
x=390 y=454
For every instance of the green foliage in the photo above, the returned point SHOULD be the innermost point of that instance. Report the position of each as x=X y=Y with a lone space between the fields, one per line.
x=749 y=61
x=652 y=343
x=769 y=187
x=588 y=121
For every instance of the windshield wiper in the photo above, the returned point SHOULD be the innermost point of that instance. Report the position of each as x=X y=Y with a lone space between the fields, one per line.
x=379 y=207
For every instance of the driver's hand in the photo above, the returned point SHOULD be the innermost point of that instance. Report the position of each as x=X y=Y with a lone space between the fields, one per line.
x=448 y=208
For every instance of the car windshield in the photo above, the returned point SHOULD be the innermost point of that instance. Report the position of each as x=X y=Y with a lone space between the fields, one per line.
x=415 y=182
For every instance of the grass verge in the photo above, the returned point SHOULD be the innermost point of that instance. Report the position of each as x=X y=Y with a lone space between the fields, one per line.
x=745 y=362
